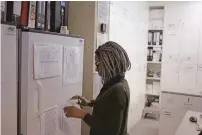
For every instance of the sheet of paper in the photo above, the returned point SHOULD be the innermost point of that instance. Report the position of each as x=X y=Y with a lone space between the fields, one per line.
x=172 y=26
x=103 y=11
x=49 y=121
x=69 y=126
x=72 y=65
x=47 y=60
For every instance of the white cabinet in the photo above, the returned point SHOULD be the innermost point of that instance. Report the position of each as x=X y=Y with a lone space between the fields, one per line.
x=171 y=46
x=187 y=77
x=199 y=69
x=200 y=48
x=199 y=77
x=189 y=41
x=190 y=15
x=182 y=47
x=169 y=76
x=172 y=15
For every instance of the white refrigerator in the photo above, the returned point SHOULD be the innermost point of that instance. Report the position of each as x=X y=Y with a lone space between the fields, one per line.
x=51 y=72
x=8 y=80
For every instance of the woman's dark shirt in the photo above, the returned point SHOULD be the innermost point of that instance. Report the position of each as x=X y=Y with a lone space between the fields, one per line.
x=110 y=110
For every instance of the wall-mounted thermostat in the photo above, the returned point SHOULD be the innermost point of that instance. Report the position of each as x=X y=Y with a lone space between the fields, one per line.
x=103 y=28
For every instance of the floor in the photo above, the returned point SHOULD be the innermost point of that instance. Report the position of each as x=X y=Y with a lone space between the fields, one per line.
x=145 y=127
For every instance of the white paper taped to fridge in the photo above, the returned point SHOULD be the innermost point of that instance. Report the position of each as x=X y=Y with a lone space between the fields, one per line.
x=47 y=60
x=49 y=121
x=69 y=126
x=72 y=65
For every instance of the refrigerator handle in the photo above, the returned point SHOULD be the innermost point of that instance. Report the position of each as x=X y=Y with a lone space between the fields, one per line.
x=39 y=88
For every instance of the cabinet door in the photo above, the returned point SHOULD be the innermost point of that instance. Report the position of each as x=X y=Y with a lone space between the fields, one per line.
x=199 y=77
x=171 y=46
x=200 y=44
x=190 y=19
x=172 y=15
x=171 y=32
x=170 y=76
x=200 y=49
x=187 y=77
x=189 y=41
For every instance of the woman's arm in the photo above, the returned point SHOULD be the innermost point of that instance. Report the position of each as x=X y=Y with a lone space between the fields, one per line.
x=115 y=115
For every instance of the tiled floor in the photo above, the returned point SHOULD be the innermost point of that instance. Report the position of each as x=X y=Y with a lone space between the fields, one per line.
x=145 y=127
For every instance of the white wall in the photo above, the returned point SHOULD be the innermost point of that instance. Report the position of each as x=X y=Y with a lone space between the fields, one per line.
x=129 y=28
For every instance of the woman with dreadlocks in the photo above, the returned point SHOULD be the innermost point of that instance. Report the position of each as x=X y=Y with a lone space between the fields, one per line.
x=110 y=108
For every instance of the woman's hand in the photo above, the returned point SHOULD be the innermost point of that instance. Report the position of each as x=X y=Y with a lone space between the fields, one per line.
x=74 y=112
x=81 y=100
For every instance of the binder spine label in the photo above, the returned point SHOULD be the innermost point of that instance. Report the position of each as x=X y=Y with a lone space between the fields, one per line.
x=47 y=16
x=149 y=38
x=157 y=38
x=154 y=38
x=161 y=39
x=32 y=14
x=43 y=7
x=40 y=20
x=38 y=15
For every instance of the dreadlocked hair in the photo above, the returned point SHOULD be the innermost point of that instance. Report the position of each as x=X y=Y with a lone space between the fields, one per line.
x=113 y=62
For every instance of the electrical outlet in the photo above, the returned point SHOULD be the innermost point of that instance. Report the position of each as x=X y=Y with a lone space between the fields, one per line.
x=188 y=101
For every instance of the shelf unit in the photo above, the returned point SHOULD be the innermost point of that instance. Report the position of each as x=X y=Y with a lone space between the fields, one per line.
x=154 y=58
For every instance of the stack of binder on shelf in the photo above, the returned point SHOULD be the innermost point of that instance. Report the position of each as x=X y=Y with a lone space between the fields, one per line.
x=41 y=15
x=155 y=38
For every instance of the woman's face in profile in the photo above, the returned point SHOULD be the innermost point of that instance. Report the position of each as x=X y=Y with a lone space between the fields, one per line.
x=97 y=64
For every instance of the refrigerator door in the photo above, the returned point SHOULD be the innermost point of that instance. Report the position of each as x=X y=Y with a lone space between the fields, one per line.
x=44 y=95
x=8 y=80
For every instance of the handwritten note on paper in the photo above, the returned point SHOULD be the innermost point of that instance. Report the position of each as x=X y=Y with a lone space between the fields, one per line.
x=47 y=60
x=72 y=65
x=49 y=122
